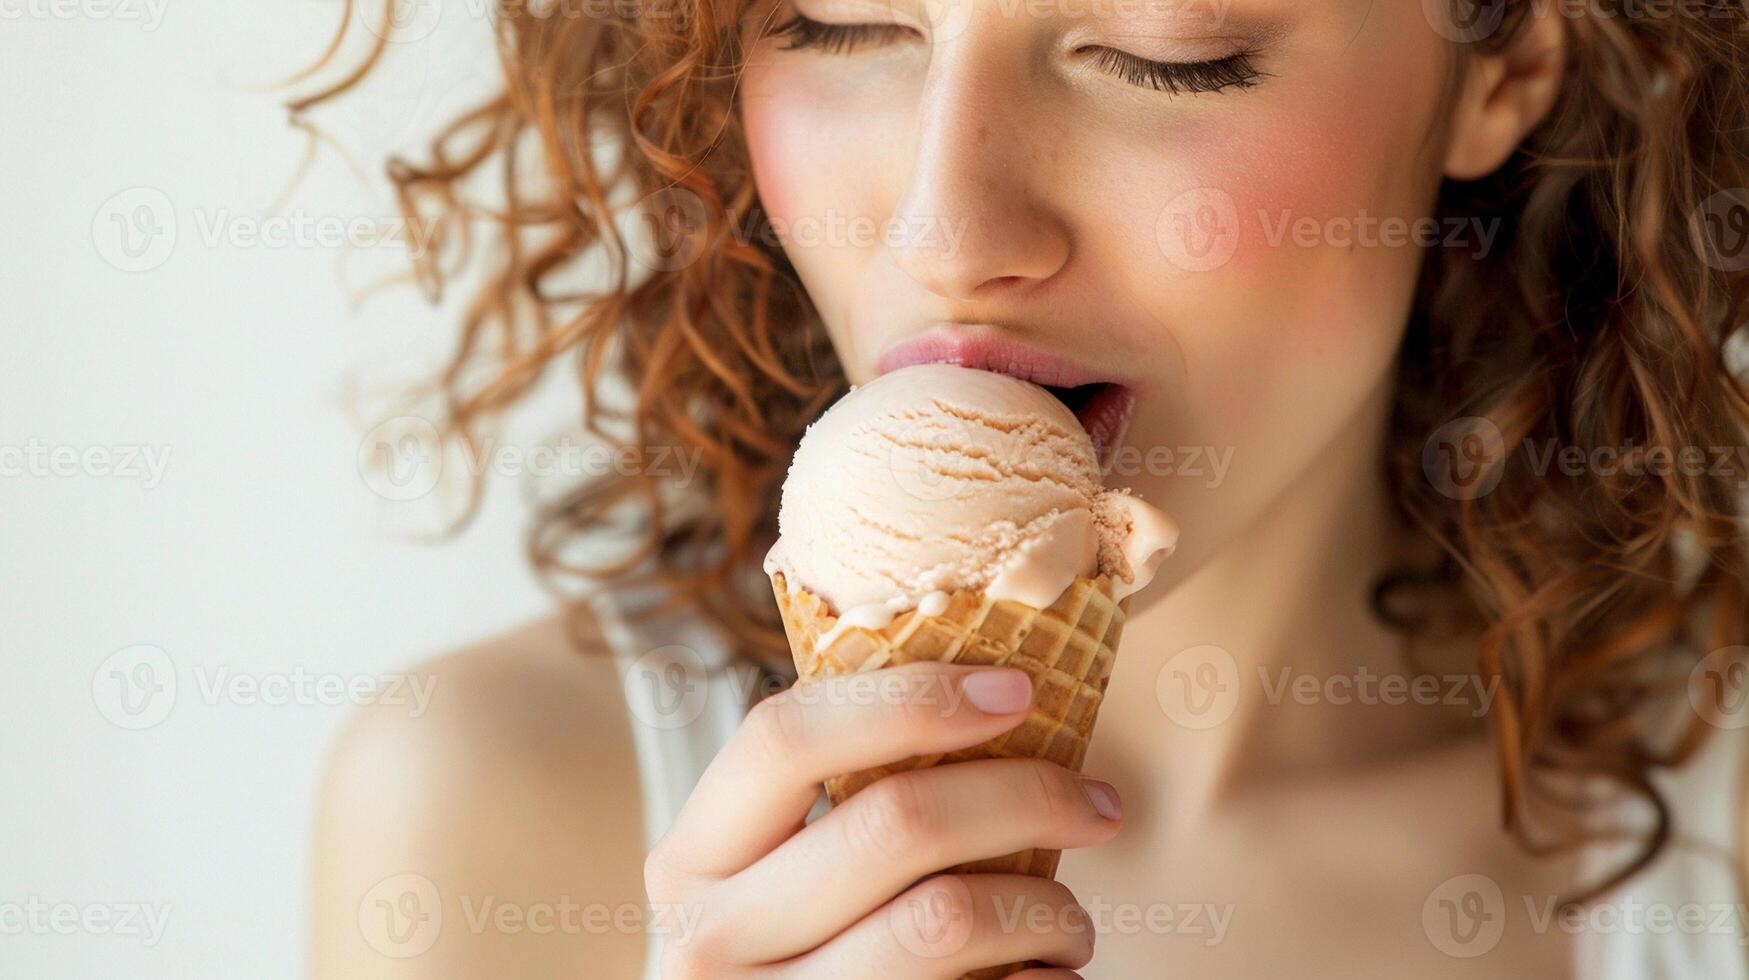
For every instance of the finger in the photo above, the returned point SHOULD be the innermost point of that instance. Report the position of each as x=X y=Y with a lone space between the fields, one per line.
x=760 y=787
x=899 y=829
x=947 y=925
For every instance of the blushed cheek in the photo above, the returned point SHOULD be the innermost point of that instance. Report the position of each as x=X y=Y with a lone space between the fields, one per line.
x=1323 y=223
x=772 y=116
x=1290 y=308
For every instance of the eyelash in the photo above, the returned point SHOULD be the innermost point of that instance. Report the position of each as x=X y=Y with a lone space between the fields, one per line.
x=1175 y=77
x=804 y=32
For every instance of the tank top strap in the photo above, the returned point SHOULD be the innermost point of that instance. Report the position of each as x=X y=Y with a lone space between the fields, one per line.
x=685 y=693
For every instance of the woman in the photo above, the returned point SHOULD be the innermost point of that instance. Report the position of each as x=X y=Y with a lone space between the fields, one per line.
x=1496 y=248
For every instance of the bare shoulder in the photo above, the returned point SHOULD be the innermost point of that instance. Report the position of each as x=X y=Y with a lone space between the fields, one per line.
x=490 y=826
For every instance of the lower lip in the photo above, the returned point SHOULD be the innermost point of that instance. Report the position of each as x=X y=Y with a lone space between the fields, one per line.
x=1105 y=417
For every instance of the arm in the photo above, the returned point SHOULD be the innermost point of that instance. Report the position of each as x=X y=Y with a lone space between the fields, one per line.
x=497 y=834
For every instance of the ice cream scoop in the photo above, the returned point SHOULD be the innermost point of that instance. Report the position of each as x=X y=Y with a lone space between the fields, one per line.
x=937 y=478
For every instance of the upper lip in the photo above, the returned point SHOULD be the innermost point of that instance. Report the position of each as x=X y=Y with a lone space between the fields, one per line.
x=989 y=348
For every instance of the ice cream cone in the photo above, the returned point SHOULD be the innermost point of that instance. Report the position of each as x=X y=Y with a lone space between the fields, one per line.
x=1067 y=649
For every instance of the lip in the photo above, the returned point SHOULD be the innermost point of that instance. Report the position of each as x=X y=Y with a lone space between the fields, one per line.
x=984 y=347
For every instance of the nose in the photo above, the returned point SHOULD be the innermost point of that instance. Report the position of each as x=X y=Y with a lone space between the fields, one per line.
x=974 y=213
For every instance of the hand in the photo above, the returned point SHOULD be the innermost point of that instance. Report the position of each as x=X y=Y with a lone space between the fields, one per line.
x=768 y=895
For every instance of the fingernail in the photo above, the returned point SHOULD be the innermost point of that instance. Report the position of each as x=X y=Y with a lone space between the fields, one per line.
x=999 y=692
x=1103 y=795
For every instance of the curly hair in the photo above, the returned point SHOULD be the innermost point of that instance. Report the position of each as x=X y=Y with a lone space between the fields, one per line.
x=1601 y=321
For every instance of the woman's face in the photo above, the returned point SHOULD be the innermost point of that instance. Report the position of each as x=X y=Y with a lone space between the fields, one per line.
x=1231 y=236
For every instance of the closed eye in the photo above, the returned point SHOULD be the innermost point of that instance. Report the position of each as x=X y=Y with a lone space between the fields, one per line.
x=1175 y=77
x=804 y=32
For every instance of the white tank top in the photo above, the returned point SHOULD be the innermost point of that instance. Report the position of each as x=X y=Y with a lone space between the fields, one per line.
x=1682 y=917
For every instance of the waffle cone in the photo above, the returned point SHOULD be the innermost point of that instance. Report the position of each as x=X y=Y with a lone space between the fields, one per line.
x=1067 y=649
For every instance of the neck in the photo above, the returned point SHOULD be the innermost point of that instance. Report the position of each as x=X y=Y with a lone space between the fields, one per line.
x=1266 y=662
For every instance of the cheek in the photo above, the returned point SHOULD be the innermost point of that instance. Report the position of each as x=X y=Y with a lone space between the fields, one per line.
x=816 y=138
x=815 y=153
x=1312 y=217
x=1274 y=252
x=777 y=120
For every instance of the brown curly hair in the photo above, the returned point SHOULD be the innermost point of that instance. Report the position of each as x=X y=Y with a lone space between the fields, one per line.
x=1601 y=321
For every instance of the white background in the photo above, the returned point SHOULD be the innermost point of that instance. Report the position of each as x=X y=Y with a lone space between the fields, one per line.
x=259 y=550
